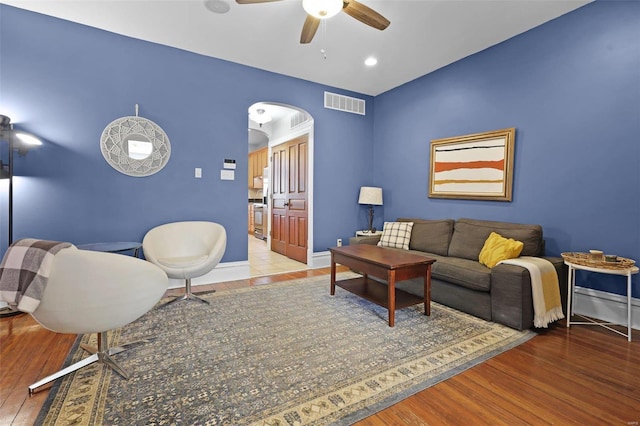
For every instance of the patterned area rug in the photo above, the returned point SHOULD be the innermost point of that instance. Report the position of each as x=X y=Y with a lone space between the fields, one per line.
x=279 y=354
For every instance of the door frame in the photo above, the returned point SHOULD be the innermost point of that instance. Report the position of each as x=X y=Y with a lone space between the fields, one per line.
x=305 y=128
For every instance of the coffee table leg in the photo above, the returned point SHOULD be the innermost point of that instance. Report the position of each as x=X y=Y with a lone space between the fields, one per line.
x=392 y=297
x=333 y=276
x=427 y=291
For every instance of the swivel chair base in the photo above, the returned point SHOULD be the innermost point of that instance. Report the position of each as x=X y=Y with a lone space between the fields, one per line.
x=102 y=354
x=188 y=295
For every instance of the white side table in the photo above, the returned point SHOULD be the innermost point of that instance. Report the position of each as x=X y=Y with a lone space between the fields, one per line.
x=571 y=284
x=366 y=233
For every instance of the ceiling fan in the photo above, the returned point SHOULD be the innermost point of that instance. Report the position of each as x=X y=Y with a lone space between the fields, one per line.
x=323 y=9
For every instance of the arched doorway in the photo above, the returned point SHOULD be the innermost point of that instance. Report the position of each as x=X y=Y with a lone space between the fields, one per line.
x=274 y=125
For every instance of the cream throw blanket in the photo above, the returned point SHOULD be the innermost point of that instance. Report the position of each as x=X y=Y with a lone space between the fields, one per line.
x=545 y=289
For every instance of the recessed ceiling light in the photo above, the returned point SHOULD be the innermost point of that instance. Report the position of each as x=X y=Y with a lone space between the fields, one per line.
x=370 y=61
x=217 y=6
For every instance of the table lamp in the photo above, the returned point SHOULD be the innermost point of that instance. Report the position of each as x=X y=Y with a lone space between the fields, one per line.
x=373 y=197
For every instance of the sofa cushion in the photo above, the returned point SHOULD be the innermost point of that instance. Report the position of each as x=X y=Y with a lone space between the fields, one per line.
x=498 y=248
x=467 y=273
x=469 y=236
x=396 y=235
x=431 y=236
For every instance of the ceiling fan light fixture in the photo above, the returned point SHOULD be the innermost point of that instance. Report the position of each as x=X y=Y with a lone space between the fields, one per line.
x=322 y=9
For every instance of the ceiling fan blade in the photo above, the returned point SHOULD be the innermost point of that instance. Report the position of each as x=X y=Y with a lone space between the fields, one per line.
x=365 y=14
x=309 y=29
x=254 y=1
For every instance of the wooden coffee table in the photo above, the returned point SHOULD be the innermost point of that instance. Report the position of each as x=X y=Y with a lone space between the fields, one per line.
x=385 y=263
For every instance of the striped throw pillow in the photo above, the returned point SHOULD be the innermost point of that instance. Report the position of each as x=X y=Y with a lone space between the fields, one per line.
x=396 y=235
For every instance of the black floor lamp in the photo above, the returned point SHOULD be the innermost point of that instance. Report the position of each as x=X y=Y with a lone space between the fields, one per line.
x=21 y=142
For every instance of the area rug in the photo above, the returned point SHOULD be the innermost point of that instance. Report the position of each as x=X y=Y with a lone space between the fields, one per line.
x=278 y=354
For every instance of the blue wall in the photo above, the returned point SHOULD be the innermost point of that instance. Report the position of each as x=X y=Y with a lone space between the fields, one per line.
x=571 y=88
x=65 y=82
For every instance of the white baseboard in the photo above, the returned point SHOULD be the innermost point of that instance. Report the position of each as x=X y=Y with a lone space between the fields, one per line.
x=227 y=271
x=593 y=303
x=320 y=260
x=605 y=306
x=232 y=271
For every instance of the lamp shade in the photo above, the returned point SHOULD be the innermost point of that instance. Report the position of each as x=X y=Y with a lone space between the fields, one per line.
x=18 y=140
x=28 y=139
x=370 y=195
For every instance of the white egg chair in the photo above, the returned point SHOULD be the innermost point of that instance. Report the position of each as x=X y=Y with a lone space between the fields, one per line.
x=94 y=292
x=186 y=250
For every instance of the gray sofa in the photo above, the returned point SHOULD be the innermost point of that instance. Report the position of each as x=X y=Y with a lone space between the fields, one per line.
x=501 y=294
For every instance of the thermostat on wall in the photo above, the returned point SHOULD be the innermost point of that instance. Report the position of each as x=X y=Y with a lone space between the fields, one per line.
x=229 y=164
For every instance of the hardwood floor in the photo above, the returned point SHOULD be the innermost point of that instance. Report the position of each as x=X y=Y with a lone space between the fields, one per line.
x=579 y=376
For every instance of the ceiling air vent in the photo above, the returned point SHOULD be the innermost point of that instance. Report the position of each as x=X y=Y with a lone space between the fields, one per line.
x=344 y=103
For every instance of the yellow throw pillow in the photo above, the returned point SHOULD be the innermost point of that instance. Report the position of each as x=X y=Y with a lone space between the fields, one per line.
x=497 y=248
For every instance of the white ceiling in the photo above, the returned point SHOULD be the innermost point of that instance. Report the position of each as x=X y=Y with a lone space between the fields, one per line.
x=424 y=35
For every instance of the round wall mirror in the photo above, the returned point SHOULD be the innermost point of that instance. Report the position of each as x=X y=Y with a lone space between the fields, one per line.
x=135 y=146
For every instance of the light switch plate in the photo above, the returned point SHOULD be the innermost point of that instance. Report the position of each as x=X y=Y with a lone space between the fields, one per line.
x=198 y=172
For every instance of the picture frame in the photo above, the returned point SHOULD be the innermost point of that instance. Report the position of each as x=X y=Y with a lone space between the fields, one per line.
x=478 y=166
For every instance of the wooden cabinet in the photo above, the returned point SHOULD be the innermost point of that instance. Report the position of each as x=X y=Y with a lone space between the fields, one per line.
x=251 y=219
x=264 y=160
x=258 y=160
x=251 y=168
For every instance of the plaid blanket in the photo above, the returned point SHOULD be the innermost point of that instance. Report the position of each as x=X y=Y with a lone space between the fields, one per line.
x=24 y=272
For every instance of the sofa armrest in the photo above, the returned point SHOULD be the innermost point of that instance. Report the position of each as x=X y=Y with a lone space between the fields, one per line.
x=511 y=299
x=373 y=240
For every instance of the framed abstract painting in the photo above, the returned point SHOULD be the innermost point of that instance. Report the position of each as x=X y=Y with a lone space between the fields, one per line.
x=473 y=167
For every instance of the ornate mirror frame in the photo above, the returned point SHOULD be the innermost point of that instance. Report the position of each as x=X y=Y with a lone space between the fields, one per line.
x=127 y=133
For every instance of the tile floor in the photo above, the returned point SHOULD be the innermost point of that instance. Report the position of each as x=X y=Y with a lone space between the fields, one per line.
x=263 y=261
x=266 y=267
